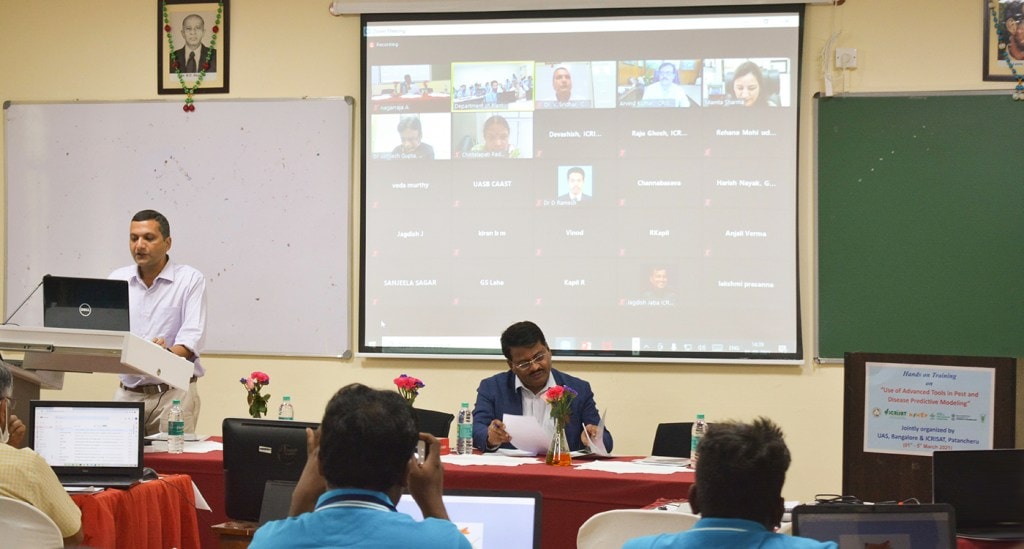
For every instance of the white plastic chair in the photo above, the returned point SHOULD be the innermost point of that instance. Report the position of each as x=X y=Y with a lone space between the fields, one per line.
x=610 y=529
x=22 y=525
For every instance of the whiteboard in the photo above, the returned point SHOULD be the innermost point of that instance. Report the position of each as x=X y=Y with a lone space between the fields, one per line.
x=257 y=193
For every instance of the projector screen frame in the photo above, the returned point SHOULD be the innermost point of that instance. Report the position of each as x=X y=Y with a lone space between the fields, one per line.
x=489 y=347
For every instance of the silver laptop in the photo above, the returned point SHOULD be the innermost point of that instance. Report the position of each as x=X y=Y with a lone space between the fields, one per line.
x=495 y=519
x=85 y=303
x=89 y=443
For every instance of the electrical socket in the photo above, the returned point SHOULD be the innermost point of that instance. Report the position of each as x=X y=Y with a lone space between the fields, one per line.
x=846 y=58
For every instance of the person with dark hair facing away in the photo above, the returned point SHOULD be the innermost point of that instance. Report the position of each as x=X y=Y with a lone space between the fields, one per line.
x=738 y=492
x=520 y=391
x=748 y=86
x=411 y=132
x=167 y=305
x=357 y=464
x=25 y=475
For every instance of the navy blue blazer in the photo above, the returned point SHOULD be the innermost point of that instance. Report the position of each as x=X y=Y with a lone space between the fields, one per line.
x=497 y=396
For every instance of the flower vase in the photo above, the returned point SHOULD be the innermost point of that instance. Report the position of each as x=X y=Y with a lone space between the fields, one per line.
x=257 y=405
x=558 y=450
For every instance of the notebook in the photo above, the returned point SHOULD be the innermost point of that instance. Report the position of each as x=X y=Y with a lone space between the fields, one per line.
x=489 y=518
x=89 y=443
x=924 y=526
x=986 y=487
x=85 y=303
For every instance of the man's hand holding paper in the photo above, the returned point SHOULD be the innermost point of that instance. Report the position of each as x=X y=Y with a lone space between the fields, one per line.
x=526 y=433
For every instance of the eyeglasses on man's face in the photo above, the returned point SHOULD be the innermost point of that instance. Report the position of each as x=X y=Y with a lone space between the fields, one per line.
x=528 y=363
x=11 y=401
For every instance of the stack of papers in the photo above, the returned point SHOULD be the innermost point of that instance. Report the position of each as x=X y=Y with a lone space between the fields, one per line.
x=664 y=460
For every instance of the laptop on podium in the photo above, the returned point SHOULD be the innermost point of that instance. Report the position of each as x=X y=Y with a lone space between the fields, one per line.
x=919 y=526
x=85 y=303
x=89 y=443
x=986 y=487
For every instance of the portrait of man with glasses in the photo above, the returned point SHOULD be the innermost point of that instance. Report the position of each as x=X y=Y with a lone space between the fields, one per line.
x=1013 y=22
x=520 y=391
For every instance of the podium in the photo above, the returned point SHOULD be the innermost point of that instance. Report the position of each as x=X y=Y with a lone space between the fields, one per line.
x=59 y=350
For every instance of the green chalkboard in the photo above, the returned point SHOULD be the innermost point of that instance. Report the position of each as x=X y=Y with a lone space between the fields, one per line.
x=920 y=236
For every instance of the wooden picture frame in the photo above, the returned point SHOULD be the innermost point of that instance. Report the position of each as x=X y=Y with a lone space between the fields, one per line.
x=209 y=23
x=1004 y=32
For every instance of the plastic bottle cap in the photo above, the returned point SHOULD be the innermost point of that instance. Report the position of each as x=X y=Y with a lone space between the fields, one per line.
x=700 y=416
x=175 y=402
x=465 y=405
x=287 y=398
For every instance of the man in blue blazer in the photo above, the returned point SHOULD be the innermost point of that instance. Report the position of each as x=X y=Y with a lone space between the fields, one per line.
x=520 y=390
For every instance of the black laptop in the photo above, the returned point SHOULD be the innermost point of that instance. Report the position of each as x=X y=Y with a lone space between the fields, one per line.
x=924 y=526
x=85 y=303
x=986 y=487
x=89 y=443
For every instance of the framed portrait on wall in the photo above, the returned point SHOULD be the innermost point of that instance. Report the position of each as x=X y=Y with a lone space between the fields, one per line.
x=192 y=46
x=1004 y=39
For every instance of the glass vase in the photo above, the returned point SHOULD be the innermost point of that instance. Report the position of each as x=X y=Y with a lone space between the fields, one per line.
x=558 y=450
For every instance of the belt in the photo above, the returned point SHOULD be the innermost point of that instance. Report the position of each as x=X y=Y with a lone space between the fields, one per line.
x=153 y=388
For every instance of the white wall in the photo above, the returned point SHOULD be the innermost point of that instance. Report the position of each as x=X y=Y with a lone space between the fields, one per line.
x=65 y=50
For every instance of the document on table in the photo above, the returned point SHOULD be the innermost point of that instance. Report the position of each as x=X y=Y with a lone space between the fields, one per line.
x=597 y=443
x=526 y=433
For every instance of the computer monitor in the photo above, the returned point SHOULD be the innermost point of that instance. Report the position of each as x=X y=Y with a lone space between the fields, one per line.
x=257 y=451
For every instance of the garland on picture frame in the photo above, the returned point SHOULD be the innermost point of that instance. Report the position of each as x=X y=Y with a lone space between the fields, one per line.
x=1018 y=92
x=190 y=90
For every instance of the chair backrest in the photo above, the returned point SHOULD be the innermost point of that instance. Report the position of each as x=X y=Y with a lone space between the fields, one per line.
x=672 y=439
x=611 y=529
x=23 y=525
x=436 y=423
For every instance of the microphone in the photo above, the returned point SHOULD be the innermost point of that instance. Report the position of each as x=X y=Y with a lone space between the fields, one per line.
x=30 y=294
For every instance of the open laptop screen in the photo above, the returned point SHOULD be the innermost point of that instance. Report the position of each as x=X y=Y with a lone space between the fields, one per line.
x=986 y=487
x=926 y=526
x=88 y=438
x=489 y=518
x=85 y=303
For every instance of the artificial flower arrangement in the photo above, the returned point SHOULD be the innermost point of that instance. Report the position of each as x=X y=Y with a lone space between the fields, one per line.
x=560 y=397
x=257 y=402
x=409 y=387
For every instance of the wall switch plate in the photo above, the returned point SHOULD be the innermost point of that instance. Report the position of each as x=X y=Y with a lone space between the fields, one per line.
x=846 y=58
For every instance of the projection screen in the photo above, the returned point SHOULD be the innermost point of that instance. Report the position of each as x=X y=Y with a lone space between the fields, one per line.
x=626 y=179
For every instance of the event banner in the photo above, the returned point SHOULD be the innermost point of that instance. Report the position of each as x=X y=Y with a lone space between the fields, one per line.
x=914 y=409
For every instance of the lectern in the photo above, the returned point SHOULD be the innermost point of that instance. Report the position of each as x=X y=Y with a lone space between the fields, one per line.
x=48 y=352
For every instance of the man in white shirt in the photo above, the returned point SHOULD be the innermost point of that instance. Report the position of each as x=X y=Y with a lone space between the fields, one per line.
x=167 y=305
x=665 y=89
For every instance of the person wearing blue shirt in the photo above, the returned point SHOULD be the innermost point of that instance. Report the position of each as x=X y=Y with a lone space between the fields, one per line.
x=520 y=390
x=359 y=460
x=737 y=492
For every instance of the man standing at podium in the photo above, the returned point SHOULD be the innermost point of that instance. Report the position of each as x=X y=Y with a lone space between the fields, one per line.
x=167 y=305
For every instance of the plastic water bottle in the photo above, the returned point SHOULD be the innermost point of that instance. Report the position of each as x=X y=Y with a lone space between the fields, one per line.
x=175 y=428
x=698 y=430
x=285 y=410
x=464 y=443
